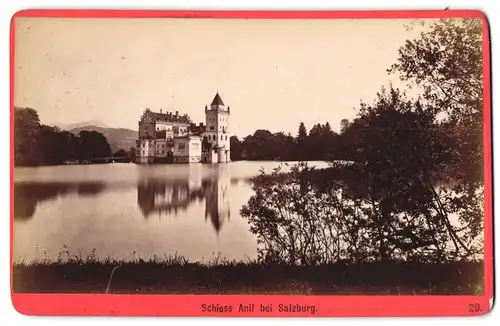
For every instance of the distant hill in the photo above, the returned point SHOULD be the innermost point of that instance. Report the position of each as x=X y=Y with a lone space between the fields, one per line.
x=95 y=123
x=118 y=138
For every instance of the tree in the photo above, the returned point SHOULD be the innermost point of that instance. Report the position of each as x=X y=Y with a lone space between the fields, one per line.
x=132 y=154
x=390 y=205
x=92 y=145
x=447 y=62
x=320 y=144
x=344 y=123
x=67 y=144
x=260 y=145
x=302 y=135
x=47 y=142
x=187 y=118
x=400 y=154
x=206 y=145
x=301 y=148
x=236 y=148
x=414 y=192
x=284 y=146
x=121 y=155
x=26 y=126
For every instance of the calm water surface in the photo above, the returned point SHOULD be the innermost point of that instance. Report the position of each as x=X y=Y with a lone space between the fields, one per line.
x=126 y=211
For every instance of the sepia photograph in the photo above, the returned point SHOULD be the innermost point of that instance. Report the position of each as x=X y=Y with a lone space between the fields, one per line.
x=249 y=156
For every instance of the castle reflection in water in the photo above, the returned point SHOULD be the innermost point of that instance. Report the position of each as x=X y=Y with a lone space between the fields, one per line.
x=158 y=197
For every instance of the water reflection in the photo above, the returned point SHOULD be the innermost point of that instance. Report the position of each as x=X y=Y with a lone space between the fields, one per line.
x=157 y=195
x=167 y=197
x=120 y=209
x=28 y=195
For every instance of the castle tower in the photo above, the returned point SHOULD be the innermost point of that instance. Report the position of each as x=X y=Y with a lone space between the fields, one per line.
x=217 y=128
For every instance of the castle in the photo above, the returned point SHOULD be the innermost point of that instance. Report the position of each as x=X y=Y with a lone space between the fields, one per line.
x=172 y=138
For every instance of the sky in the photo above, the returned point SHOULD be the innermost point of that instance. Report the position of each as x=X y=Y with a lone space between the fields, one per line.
x=273 y=74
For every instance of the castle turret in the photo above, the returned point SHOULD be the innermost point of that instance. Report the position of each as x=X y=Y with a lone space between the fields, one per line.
x=217 y=127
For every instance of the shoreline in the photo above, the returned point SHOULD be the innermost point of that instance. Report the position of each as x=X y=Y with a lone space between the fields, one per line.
x=182 y=277
x=172 y=163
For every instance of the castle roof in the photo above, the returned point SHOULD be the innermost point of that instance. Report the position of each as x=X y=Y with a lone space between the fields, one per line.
x=217 y=100
x=197 y=129
x=170 y=117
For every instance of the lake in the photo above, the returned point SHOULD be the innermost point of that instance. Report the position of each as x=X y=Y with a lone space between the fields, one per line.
x=126 y=211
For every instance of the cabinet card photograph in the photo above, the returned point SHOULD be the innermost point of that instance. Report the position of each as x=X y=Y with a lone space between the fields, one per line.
x=170 y=163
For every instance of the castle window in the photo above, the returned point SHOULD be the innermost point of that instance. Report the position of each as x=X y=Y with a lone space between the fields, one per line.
x=226 y=137
x=220 y=137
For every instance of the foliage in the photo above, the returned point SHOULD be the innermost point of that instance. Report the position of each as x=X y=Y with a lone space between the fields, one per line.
x=132 y=154
x=89 y=272
x=294 y=222
x=447 y=62
x=26 y=125
x=344 y=123
x=319 y=144
x=123 y=156
x=236 y=148
x=187 y=118
x=92 y=145
x=206 y=145
x=37 y=144
x=311 y=217
x=415 y=191
x=406 y=157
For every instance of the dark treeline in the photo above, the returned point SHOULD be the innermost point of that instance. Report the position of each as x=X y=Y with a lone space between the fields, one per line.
x=415 y=190
x=38 y=144
x=319 y=143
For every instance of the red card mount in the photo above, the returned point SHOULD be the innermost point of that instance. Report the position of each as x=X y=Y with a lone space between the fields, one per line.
x=289 y=278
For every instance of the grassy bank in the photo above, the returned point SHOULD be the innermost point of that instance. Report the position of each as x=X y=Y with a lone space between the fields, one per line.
x=178 y=276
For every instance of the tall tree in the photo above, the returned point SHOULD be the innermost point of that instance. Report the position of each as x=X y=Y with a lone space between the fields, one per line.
x=302 y=135
x=26 y=127
x=404 y=156
x=344 y=123
x=447 y=62
x=67 y=144
x=260 y=145
x=47 y=141
x=132 y=153
x=92 y=145
x=301 y=148
x=236 y=148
